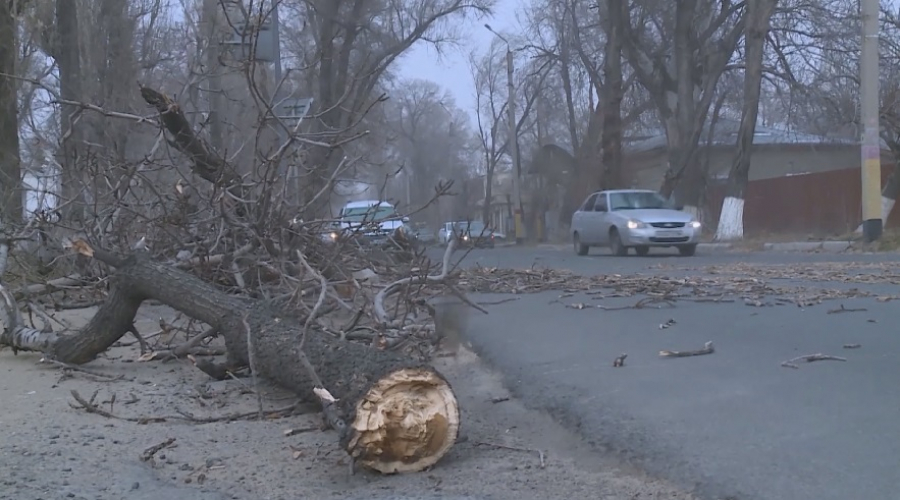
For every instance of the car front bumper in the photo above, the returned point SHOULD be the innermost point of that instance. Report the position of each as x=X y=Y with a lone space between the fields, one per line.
x=484 y=241
x=663 y=237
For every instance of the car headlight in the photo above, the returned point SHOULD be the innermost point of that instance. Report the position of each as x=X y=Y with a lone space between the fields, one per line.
x=635 y=224
x=694 y=224
x=466 y=238
x=333 y=235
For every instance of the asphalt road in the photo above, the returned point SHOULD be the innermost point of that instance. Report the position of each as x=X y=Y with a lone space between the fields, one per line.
x=734 y=424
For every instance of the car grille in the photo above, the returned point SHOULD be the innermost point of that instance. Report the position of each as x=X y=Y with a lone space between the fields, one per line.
x=667 y=225
x=681 y=239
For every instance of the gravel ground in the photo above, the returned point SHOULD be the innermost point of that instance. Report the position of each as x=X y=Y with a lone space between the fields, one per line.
x=51 y=450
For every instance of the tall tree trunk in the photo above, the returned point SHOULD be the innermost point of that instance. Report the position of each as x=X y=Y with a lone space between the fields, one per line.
x=611 y=140
x=66 y=51
x=210 y=16
x=731 y=218
x=10 y=164
x=487 y=209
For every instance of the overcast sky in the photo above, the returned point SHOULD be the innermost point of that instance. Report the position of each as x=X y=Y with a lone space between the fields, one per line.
x=452 y=71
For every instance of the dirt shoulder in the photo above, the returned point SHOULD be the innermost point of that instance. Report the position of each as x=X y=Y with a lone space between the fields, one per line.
x=51 y=450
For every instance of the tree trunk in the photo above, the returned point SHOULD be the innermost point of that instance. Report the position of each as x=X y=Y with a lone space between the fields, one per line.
x=611 y=138
x=731 y=218
x=401 y=415
x=65 y=47
x=487 y=209
x=586 y=176
x=10 y=166
x=210 y=21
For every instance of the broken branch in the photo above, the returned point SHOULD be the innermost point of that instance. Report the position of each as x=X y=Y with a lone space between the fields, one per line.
x=809 y=358
x=707 y=349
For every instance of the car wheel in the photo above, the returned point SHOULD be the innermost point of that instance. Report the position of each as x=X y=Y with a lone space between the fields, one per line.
x=580 y=248
x=615 y=243
x=642 y=250
x=687 y=250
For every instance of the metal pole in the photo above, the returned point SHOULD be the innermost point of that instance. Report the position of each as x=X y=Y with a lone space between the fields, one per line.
x=512 y=147
x=871 y=145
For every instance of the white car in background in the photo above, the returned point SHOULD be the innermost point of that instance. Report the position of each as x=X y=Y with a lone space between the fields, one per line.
x=632 y=218
x=375 y=220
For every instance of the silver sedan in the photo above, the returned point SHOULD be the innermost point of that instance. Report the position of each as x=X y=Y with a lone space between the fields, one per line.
x=632 y=218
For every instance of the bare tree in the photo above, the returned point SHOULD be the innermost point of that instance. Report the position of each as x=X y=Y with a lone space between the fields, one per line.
x=489 y=79
x=432 y=132
x=731 y=218
x=678 y=51
x=356 y=44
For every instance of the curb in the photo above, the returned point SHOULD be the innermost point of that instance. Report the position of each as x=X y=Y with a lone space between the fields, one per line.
x=714 y=247
x=809 y=246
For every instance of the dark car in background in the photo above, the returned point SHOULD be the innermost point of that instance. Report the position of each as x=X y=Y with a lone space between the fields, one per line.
x=474 y=233
x=420 y=232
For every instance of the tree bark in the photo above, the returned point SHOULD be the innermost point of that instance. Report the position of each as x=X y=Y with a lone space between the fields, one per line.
x=10 y=165
x=611 y=136
x=401 y=415
x=731 y=218
x=65 y=49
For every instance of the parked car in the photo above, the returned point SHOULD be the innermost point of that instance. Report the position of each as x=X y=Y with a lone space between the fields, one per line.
x=420 y=232
x=632 y=218
x=375 y=221
x=473 y=233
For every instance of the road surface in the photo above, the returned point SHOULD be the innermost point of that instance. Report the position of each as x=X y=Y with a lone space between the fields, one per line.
x=733 y=424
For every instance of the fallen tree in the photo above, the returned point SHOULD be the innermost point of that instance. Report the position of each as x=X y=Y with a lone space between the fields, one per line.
x=392 y=414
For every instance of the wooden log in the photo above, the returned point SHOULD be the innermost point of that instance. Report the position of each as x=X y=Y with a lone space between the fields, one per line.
x=400 y=415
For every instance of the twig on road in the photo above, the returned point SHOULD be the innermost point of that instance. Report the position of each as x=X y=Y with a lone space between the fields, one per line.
x=843 y=309
x=497 y=302
x=707 y=349
x=809 y=358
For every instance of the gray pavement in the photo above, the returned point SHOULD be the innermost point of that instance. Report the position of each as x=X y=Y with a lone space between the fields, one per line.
x=734 y=424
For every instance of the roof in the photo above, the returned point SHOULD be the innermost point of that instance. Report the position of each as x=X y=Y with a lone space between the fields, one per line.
x=726 y=131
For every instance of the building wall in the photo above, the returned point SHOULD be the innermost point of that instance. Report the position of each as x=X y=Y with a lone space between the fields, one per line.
x=648 y=169
x=820 y=204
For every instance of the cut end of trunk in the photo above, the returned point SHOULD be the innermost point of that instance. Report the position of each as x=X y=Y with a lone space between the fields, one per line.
x=406 y=422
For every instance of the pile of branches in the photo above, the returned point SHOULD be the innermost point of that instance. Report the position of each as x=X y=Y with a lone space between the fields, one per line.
x=311 y=313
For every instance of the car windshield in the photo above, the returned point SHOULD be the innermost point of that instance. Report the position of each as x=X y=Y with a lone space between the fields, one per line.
x=636 y=200
x=361 y=214
x=472 y=227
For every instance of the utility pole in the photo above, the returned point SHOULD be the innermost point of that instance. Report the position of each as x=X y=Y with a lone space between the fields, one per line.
x=871 y=145
x=512 y=143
